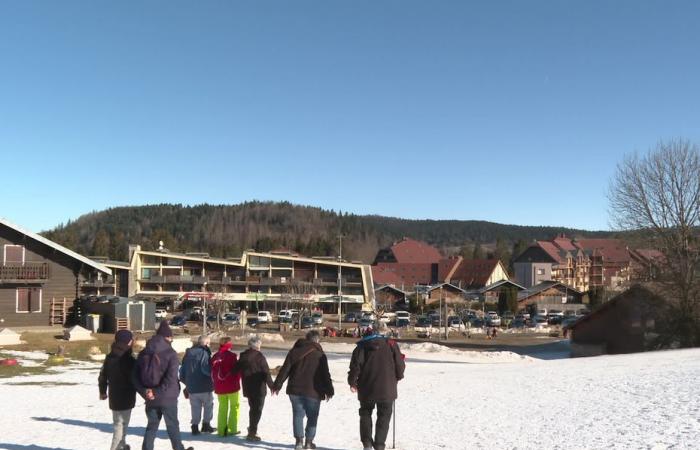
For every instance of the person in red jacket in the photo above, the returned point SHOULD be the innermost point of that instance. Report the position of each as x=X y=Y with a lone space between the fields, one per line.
x=227 y=384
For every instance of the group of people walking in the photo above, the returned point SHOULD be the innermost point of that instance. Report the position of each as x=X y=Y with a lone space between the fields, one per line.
x=376 y=367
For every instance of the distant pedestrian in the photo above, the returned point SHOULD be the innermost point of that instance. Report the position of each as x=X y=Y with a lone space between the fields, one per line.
x=243 y=319
x=227 y=384
x=115 y=383
x=195 y=373
x=256 y=379
x=156 y=379
x=376 y=367
x=306 y=366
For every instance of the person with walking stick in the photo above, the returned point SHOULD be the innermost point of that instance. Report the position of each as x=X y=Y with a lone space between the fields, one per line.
x=376 y=367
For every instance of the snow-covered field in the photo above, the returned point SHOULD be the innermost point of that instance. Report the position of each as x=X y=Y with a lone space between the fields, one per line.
x=449 y=400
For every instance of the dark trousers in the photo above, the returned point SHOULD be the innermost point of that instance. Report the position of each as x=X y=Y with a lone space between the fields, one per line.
x=383 y=421
x=255 y=409
x=154 y=414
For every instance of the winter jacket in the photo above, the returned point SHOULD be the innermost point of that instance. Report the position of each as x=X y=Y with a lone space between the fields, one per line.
x=115 y=378
x=224 y=371
x=195 y=371
x=168 y=389
x=376 y=367
x=306 y=366
x=255 y=373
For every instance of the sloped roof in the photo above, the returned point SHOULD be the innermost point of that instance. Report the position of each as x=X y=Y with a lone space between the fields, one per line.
x=498 y=284
x=57 y=247
x=613 y=250
x=391 y=288
x=552 y=250
x=473 y=272
x=446 y=286
x=401 y=274
x=543 y=286
x=412 y=251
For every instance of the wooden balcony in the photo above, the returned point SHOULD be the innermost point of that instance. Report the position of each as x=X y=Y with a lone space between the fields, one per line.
x=108 y=282
x=24 y=273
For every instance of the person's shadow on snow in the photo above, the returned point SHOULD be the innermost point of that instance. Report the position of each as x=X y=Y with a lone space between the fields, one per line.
x=140 y=431
x=4 y=446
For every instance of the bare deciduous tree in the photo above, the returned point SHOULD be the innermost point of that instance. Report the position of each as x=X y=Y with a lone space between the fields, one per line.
x=658 y=194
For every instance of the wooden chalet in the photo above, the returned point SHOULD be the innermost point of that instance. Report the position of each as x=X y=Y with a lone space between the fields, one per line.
x=39 y=279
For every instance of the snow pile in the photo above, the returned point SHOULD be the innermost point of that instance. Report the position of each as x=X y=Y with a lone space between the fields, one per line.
x=180 y=344
x=266 y=338
x=9 y=337
x=528 y=330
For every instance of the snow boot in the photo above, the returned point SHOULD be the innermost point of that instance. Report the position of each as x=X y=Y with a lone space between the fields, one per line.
x=252 y=436
x=195 y=430
x=299 y=445
x=309 y=444
x=206 y=428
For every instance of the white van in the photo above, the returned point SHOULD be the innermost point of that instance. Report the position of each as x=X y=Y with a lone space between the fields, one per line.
x=264 y=317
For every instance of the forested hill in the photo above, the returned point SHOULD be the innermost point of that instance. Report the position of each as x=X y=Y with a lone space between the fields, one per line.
x=227 y=230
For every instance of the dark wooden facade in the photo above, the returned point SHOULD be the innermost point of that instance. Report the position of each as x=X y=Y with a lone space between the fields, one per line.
x=625 y=324
x=32 y=274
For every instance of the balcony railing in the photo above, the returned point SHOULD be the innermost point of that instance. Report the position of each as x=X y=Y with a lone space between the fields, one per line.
x=24 y=272
x=108 y=282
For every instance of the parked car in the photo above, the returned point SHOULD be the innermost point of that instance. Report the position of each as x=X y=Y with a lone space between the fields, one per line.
x=161 y=314
x=366 y=322
x=317 y=318
x=178 y=321
x=264 y=317
x=555 y=320
x=352 y=317
x=306 y=322
x=402 y=323
x=555 y=313
x=539 y=321
x=284 y=314
x=476 y=322
x=231 y=319
x=518 y=322
x=403 y=315
x=455 y=323
x=569 y=321
x=253 y=322
x=492 y=319
x=424 y=326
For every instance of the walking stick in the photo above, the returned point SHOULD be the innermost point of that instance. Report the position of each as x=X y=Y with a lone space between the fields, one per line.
x=393 y=440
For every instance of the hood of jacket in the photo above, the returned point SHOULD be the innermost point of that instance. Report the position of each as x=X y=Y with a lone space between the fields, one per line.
x=226 y=347
x=158 y=344
x=371 y=342
x=119 y=349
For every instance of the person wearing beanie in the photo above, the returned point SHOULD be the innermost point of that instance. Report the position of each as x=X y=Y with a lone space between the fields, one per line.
x=376 y=366
x=156 y=379
x=115 y=384
x=227 y=384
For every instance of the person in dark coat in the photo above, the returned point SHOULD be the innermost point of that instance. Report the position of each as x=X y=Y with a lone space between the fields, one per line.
x=306 y=366
x=256 y=379
x=156 y=379
x=376 y=367
x=195 y=374
x=115 y=383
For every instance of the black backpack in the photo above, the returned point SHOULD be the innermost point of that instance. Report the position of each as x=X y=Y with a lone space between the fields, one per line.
x=150 y=371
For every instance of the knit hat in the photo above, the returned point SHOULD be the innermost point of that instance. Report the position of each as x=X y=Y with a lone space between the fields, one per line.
x=123 y=336
x=164 y=329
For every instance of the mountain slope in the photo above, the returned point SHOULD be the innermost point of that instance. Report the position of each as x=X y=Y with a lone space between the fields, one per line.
x=226 y=230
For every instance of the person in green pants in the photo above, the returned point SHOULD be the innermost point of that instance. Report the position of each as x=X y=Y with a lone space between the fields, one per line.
x=227 y=384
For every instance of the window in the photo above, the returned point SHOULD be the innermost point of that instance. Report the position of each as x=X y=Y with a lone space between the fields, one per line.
x=146 y=274
x=13 y=254
x=540 y=271
x=28 y=300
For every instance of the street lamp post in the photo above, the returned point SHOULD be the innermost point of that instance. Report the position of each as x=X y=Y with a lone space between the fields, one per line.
x=340 y=283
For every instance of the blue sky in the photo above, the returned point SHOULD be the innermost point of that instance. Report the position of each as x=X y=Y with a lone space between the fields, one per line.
x=509 y=111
